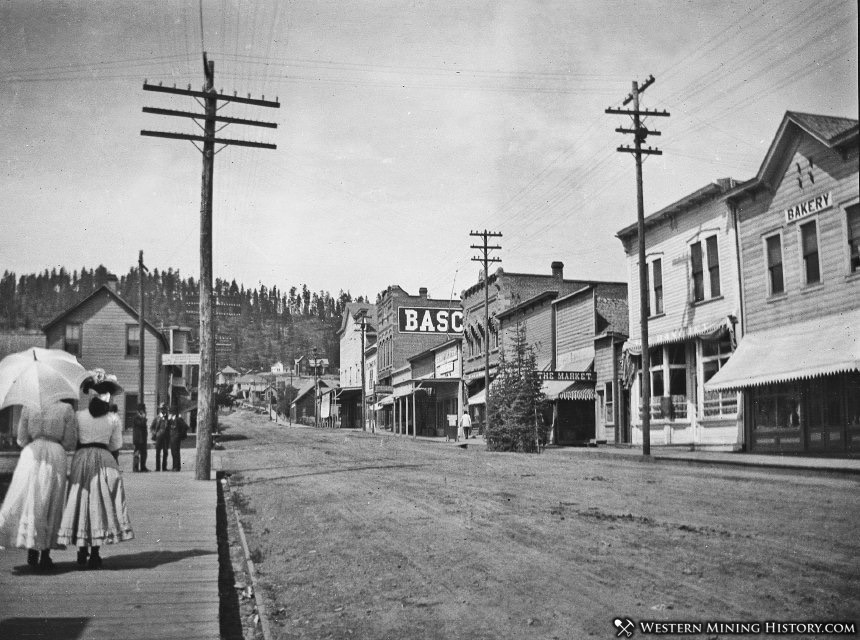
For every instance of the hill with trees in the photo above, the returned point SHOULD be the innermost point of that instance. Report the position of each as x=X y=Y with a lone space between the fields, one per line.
x=254 y=327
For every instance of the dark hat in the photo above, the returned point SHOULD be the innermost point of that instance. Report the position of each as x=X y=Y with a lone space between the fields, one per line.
x=100 y=382
x=163 y=405
x=141 y=407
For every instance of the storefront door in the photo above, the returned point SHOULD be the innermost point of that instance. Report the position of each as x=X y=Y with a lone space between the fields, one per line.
x=575 y=423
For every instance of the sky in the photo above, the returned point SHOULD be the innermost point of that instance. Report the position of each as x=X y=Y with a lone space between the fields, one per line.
x=402 y=127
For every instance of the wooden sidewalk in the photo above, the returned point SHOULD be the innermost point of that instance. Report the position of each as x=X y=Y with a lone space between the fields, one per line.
x=162 y=584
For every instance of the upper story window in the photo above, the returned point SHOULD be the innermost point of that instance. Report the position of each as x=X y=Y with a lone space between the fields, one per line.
x=773 y=249
x=132 y=340
x=72 y=339
x=657 y=268
x=705 y=269
x=608 y=404
x=809 y=245
x=852 y=215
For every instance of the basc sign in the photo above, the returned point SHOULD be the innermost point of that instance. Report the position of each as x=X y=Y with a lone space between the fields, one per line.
x=429 y=320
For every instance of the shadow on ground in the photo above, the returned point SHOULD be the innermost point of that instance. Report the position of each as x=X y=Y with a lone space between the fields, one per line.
x=43 y=628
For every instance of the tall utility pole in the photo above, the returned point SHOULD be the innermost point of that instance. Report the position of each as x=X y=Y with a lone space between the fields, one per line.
x=363 y=330
x=640 y=132
x=316 y=391
x=141 y=359
x=206 y=384
x=485 y=260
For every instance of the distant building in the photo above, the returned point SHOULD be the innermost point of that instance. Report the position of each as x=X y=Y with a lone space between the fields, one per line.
x=349 y=395
x=278 y=367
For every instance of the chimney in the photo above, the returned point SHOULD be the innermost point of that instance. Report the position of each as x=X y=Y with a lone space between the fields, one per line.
x=112 y=282
x=557 y=270
x=422 y=292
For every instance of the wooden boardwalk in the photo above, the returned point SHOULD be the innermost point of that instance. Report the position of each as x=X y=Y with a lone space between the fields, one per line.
x=162 y=584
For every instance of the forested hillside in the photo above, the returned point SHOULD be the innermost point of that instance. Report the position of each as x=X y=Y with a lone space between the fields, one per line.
x=254 y=327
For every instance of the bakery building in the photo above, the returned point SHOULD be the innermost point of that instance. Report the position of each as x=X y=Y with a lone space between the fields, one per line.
x=797 y=364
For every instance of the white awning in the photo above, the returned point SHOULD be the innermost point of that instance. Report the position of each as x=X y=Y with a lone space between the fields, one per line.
x=710 y=329
x=478 y=398
x=816 y=347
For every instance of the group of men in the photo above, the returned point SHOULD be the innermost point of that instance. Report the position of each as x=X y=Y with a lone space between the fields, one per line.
x=167 y=431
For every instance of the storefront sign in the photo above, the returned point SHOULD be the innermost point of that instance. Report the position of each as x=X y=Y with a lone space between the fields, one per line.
x=180 y=359
x=383 y=388
x=429 y=320
x=808 y=207
x=572 y=376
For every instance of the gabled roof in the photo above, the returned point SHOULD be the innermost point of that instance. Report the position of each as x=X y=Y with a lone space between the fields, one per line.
x=309 y=387
x=122 y=303
x=229 y=371
x=525 y=304
x=831 y=131
x=353 y=310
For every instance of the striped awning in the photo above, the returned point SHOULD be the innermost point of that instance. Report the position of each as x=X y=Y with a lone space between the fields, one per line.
x=808 y=349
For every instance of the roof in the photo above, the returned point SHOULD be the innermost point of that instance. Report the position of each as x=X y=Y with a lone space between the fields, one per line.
x=353 y=310
x=546 y=295
x=116 y=298
x=308 y=388
x=228 y=370
x=831 y=131
x=818 y=347
x=434 y=349
x=707 y=193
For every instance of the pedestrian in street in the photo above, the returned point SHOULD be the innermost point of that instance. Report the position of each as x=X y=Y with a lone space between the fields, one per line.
x=139 y=431
x=96 y=512
x=33 y=508
x=158 y=430
x=177 y=430
x=466 y=423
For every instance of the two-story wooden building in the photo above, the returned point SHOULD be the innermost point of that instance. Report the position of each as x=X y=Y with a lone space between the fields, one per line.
x=798 y=361
x=356 y=331
x=102 y=330
x=693 y=307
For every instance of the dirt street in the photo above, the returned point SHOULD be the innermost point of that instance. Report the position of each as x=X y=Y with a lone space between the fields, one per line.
x=376 y=536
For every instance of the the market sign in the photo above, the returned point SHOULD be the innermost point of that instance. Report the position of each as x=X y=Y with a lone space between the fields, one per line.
x=808 y=207
x=429 y=320
x=565 y=376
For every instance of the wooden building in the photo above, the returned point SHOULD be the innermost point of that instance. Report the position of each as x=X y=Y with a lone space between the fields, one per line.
x=798 y=360
x=349 y=395
x=693 y=307
x=102 y=331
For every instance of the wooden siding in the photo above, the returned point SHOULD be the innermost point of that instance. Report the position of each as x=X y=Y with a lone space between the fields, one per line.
x=765 y=215
x=575 y=328
x=537 y=321
x=669 y=240
x=103 y=344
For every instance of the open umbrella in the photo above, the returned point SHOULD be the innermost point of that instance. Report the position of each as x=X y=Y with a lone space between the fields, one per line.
x=39 y=377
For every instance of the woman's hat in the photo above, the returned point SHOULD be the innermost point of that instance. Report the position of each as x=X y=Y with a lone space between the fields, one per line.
x=100 y=382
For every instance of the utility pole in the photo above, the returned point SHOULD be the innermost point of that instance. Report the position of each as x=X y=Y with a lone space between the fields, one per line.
x=485 y=259
x=316 y=390
x=363 y=329
x=211 y=98
x=640 y=132
x=141 y=359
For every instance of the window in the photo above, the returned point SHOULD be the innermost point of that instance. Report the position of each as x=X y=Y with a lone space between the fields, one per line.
x=132 y=340
x=715 y=354
x=809 y=245
x=657 y=266
x=608 y=404
x=704 y=256
x=774 y=264
x=852 y=214
x=669 y=381
x=72 y=339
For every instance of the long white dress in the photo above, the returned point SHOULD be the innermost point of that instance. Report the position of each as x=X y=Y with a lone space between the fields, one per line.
x=96 y=512
x=33 y=507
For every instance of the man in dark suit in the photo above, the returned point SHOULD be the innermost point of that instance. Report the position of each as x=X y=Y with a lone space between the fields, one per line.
x=138 y=435
x=178 y=430
x=159 y=432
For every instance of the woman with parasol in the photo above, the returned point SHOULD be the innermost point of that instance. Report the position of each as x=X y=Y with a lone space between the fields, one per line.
x=42 y=381
x=96 y=511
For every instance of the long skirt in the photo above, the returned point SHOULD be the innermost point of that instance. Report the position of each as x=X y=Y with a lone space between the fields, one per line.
x=96 y=512
x=33 y=507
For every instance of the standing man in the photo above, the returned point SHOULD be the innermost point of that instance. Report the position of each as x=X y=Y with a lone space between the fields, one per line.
x=465 y=424
x=177 y=430
x=158 y=432
x=138 y=435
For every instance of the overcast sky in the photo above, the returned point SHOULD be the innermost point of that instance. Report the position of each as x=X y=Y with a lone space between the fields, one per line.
x=402 y=127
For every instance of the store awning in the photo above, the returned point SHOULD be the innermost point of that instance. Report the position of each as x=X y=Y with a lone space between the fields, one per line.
x=706 y=330
x=551 y=388
x=816 y=347
x=579 y=390
x=478 y=398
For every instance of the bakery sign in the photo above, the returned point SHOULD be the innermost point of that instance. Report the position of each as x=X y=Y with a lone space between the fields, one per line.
x=808 y=207
x=429 y=320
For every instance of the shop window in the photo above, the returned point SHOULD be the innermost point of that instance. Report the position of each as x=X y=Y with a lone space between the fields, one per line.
x=776 y=407
x=852 y=215
x=72 y=339
x=852 y=399
x=773 y=246
x=809 y=244
x=715 y=354
x=669 y=381
x=608 y=404
x=657 y=267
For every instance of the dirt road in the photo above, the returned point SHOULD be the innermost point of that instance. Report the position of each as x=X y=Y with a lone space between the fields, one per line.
x=364 y=536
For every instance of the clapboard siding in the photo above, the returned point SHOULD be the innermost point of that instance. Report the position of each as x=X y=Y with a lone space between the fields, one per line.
x=575 y=328
x=537 y=322
x=669 y=240
x=766 y=215
x=103 y=344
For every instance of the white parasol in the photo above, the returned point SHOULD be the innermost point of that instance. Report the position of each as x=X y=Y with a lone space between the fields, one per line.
x=38 y=377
